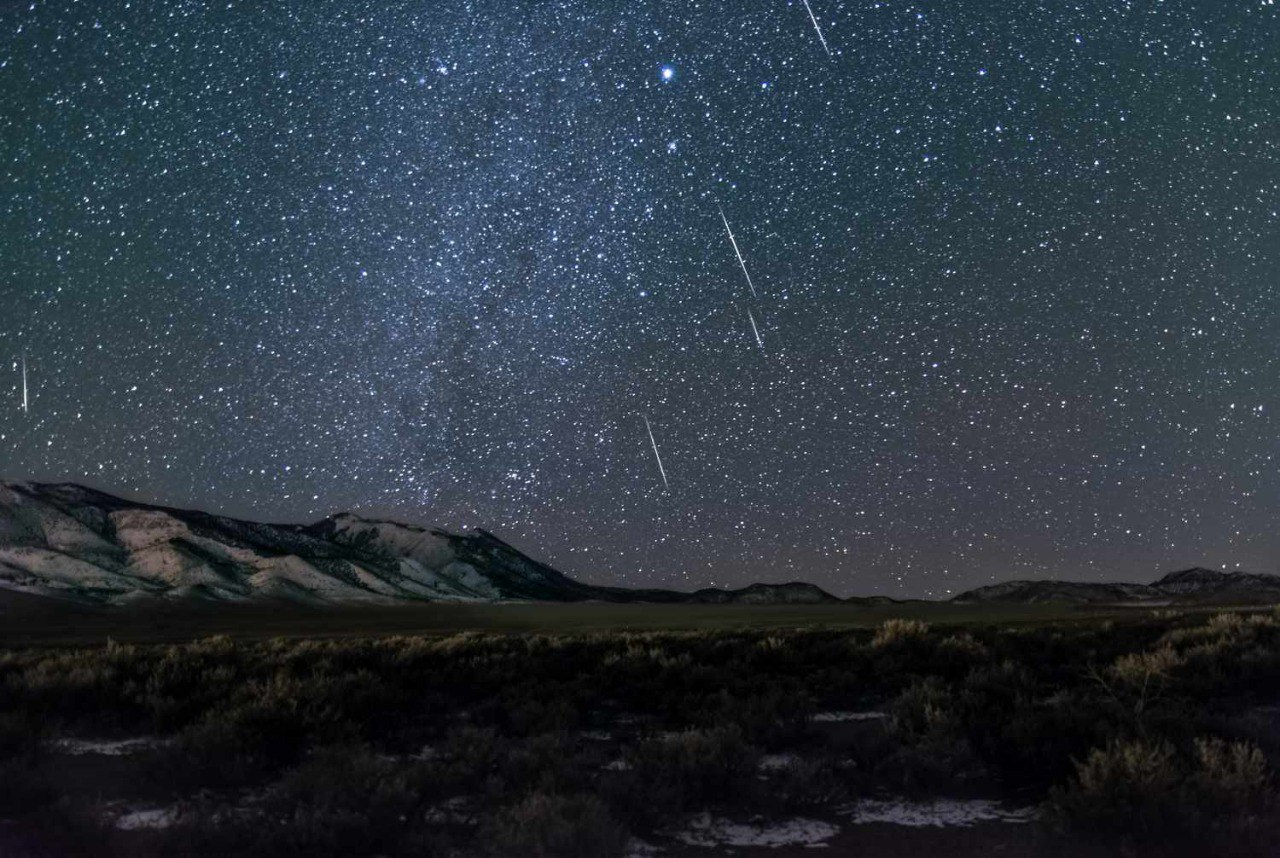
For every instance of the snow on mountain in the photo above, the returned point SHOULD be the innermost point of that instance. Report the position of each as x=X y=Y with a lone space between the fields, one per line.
x=70 y=541
x=425 y=557
x=77 y=543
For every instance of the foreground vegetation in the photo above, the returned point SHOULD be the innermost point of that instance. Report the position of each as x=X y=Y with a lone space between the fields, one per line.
x=1152 y=733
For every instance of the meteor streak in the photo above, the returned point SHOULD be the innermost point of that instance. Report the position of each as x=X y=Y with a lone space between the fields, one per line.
x=817 y=28
x=738 y=253
x=754 y=329
x=25 y=402
x=661 y=469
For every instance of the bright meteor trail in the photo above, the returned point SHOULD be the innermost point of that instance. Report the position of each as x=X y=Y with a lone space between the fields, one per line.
x=738 y=253
x=817 y=28
x=754 y=329
x=661 y=469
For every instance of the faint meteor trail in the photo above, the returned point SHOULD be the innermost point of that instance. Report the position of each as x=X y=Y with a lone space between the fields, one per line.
x=25 y=402
x=754 y=329
x=738 y=253
x=661 y=469
x=818 y=29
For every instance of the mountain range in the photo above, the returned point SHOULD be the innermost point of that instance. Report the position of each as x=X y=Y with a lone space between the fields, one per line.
x=1206 y=586
x=75 y=543
x=69 y=541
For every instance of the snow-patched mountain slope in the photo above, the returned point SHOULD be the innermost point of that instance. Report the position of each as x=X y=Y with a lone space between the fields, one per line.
x=425 y=557
x=476 y=565
x=70 y=541
x=67 y=540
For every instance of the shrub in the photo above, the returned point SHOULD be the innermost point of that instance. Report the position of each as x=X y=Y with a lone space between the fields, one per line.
x=926 y=708
x=555 y=826
x=964 y=646
x=1231 y=777
x=548 y=763
x=935 y=751
x=220 y=752
x=469 y=758
x=899 y=631
x=768 y=716
x=1145 y=789
x=1126 y=787
x=1226 y=623
x=345 y=779
x=1145 y=669
x=692 y=769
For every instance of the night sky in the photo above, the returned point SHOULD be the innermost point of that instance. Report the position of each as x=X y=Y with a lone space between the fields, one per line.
x=1016 y=264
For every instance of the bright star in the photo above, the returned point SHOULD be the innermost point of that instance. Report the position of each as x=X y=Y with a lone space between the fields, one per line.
x=668 y=73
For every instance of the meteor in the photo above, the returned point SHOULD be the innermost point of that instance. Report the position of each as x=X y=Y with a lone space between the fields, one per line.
x=738 y=253
x=25 y=401
x=754 y=329
x=661 y=469
x=817 y=28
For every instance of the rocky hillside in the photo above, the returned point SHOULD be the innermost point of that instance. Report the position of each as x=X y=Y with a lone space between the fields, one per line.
x=76 y=543
x=1204 y=586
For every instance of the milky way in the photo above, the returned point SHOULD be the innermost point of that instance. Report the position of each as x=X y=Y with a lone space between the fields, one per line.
x=1016 y=265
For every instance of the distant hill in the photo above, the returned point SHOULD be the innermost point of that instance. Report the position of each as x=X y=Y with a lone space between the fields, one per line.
x=75 y=543
x=1196 y=585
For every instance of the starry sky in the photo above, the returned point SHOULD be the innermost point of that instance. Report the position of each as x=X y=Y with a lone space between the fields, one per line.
x=1015 y=268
